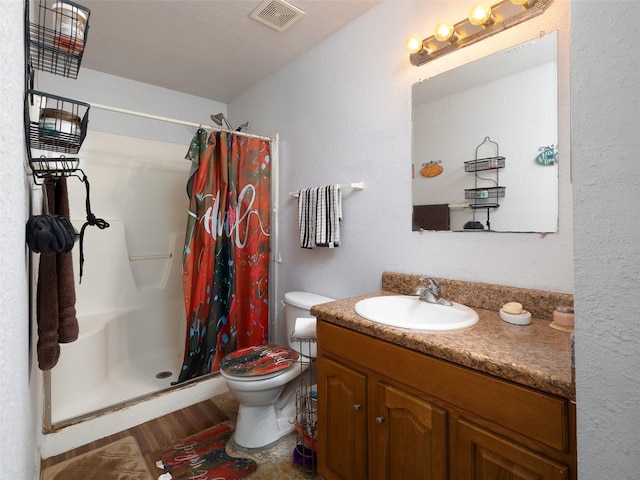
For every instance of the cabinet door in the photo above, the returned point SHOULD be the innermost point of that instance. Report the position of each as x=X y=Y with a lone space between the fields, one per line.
x=342 y=428
x=483 y=455
x=409 y=437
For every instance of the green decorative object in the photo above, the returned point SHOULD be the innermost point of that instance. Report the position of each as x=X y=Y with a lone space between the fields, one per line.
x=548 y=156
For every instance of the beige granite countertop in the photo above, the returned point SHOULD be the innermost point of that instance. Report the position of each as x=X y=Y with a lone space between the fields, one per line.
x=533 y=355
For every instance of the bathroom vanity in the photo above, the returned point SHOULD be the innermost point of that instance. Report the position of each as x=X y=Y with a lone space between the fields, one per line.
x=492 y=401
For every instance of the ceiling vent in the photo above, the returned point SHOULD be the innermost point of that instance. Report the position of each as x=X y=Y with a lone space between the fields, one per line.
x=277 y=14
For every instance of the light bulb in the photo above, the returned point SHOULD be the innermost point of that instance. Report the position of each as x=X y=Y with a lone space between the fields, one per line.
x=444 y=31
x=480 y=14
x=413 y=44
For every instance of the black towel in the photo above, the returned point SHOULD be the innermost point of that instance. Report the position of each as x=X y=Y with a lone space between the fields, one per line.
x=431 y=217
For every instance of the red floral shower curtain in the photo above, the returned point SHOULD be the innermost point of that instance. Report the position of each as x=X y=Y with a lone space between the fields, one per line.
x=225 y=263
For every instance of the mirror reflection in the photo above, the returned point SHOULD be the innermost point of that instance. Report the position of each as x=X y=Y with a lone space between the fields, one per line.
x=484 y=144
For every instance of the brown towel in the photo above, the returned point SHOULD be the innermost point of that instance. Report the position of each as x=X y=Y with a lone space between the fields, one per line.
x=56 y=296
x=47 y=297
x=67 y=321
x=431 y=217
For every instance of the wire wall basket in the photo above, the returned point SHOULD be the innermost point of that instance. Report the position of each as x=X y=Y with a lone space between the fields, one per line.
x=58 y=125
x=483 y=193
x=61 y=123
x=484 y=164
x=57 y=38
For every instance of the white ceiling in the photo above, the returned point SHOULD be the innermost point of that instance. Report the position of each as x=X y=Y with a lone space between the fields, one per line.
x=209 y=48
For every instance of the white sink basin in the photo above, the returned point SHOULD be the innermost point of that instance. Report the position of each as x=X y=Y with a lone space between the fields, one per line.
x=408 y=311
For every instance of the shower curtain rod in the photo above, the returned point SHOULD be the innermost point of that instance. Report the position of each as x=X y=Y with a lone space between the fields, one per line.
x=173 y=120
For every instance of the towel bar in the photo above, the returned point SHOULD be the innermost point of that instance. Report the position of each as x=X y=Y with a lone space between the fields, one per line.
x=355 y=185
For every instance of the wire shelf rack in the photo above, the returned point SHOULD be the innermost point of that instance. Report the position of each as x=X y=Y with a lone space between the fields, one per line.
x=306 y=423
x=57 y=38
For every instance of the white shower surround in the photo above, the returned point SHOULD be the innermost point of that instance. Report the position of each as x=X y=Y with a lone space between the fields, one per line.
x=103 y=367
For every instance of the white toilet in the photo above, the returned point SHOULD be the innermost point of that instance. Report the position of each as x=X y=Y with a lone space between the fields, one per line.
x=264 y=379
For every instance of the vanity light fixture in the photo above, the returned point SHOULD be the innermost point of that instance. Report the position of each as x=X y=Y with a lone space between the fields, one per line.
x=483 y=21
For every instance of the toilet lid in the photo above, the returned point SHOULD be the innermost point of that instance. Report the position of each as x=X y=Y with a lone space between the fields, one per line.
x=258 y=360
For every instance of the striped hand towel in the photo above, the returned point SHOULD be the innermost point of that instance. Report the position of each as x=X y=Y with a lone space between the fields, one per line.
x=307 y=202
x=329 y=214
x=319 y=214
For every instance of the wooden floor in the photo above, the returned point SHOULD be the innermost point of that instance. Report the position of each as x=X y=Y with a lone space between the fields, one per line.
x=153 y=436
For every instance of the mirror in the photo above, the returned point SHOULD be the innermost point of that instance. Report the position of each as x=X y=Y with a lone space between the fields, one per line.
x=484 y=143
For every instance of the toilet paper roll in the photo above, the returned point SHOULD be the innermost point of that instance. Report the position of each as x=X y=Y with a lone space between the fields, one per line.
x=305 y=327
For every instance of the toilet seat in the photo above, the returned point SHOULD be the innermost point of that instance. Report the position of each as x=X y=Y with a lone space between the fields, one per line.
x=258 y=362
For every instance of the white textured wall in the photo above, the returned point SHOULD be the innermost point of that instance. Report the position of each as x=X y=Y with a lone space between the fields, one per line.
x=19 y=382
x=605 y=99
x=343 y=113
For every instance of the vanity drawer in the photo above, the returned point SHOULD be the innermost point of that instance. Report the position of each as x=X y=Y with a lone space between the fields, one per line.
x=537 y=415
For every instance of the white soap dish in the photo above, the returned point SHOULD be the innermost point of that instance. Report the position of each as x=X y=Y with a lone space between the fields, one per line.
x=523 y=318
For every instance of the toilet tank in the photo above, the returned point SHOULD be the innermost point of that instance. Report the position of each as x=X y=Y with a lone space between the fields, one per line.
x=298 y=305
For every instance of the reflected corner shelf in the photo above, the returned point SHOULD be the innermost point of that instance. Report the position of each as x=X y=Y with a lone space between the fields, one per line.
x=483 y=164
x=485 y=197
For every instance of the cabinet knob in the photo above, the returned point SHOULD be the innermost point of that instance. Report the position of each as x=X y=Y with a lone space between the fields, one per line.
x=356 y=407
x=379 y=419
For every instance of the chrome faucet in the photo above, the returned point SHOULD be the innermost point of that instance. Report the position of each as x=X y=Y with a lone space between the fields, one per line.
x=430 y=294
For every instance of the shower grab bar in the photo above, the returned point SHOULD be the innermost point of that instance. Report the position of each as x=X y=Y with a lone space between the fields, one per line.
x=354 y=185
x=150 y=257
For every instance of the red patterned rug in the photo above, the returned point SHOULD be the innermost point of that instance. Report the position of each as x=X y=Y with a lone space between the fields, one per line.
x=202 y=456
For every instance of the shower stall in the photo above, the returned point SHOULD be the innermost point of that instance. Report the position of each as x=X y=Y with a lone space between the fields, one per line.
x=130 y=304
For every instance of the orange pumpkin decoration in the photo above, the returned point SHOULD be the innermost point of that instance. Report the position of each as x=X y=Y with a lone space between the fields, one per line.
x=431 y=170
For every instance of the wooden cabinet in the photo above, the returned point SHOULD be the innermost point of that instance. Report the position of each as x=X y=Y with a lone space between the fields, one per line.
x=409 y=437
x=344 y=414
x=483 y=455
x=387 y=412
